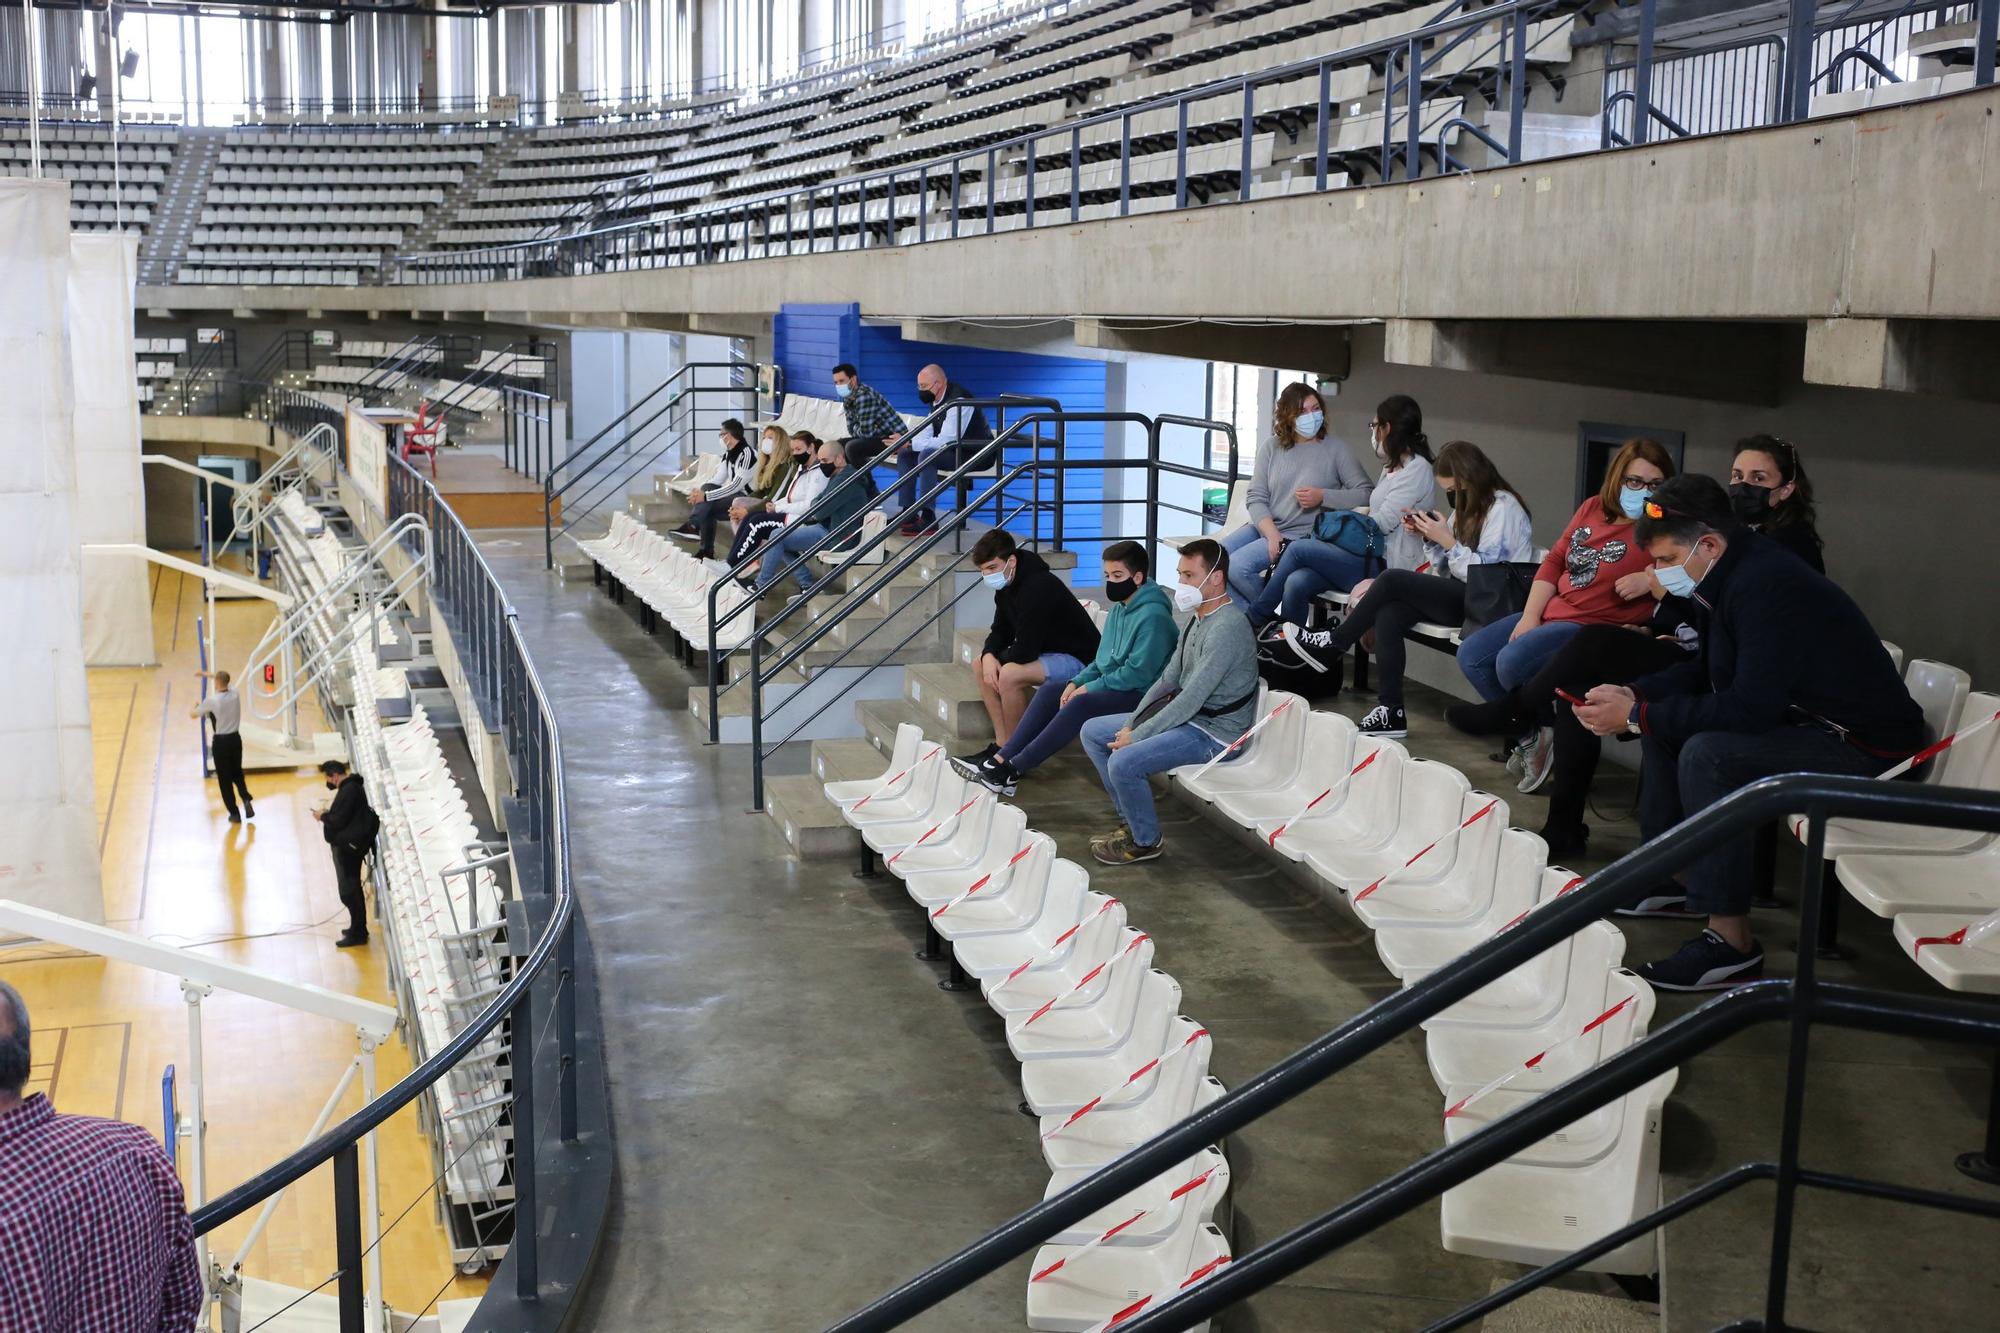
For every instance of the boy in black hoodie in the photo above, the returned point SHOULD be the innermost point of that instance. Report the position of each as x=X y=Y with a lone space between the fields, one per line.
x=1040 y=633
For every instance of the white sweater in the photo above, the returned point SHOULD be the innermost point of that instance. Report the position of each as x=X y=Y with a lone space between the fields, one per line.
x=799 y=496
x=1401 y=489
x=1506 y=535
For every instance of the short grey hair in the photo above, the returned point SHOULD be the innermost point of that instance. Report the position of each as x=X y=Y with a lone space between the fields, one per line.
x=14 y=1041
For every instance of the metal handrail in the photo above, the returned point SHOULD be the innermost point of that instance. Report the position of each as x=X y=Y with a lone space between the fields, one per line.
x=1820 y=797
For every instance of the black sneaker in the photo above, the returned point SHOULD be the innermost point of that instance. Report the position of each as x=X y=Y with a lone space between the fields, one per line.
x=235 y=818
x=998 y=776
x=686 y=530
x=1389 y=723
x=349 y=940
x=249 y=810
x=1312 y=647
x=973 y=764
x=1668 y=902
x=1706 y=962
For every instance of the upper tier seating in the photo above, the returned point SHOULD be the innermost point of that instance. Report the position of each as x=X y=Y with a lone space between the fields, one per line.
x=105 y=188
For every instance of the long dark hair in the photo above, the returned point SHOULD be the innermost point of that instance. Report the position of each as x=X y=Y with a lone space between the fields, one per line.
x=1796 y=509
x=1478 y=482
x=1406 y=430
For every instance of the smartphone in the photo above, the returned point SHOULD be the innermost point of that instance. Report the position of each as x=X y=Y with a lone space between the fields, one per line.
x=1568 y=698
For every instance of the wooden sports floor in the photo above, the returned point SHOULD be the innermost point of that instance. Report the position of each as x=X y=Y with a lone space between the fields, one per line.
x=260 y=894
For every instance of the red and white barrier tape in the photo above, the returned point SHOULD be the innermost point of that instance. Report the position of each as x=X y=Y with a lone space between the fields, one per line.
x=915 y=764
x=984 y=880
x=1157 y=1062
x=1199 y=1275
x=1307 y=808
x=1925 y=755
x=1968 y=935
x=1470 y=820
x=1535 y=1060
x=1089 y=1245
x=1083 y=981
x=1244 y=739
x=932 y=831
x=1567 y=888
x=1055 y=947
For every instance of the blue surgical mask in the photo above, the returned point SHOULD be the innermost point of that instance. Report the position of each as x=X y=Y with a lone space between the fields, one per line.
x=995 y=580
x=1633 y=503
x=1677 y=580
x=1308 y=424
x=844 y=390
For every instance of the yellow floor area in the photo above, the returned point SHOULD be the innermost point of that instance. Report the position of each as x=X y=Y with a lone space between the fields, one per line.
x=260 y=894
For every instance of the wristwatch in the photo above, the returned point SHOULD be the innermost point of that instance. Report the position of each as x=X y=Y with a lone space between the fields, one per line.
x=1632 y=720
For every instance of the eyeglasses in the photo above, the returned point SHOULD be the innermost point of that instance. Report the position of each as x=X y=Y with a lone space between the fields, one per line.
x=1638 y=484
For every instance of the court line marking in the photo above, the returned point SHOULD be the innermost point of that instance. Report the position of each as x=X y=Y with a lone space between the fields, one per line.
x=118 y=772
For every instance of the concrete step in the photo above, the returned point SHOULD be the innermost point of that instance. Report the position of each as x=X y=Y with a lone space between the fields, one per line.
x=736 y=702
x=949 y=694
x=571 y=563
x=845 y=760
x=942 y=560
x=965 y=646
x=657 y=513
x=880 y=717
x=848 y=622
x=811 y=824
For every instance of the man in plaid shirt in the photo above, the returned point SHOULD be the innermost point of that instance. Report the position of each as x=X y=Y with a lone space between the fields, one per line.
x=94 y=1234
x=870 y=419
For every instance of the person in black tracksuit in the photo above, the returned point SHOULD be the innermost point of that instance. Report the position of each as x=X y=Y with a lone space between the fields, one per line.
x=1789 y=677
x=349 y=824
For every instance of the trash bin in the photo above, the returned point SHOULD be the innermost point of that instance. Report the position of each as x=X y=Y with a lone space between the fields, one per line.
x=1215 y=504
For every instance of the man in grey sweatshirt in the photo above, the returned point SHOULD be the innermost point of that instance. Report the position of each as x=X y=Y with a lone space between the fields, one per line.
x=1202 y=704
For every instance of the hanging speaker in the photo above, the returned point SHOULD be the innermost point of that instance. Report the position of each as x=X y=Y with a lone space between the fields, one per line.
x=130 y=64
x=86 y=86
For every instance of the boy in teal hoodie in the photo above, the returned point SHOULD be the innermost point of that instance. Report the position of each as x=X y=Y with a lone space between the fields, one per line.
x=1133 y=648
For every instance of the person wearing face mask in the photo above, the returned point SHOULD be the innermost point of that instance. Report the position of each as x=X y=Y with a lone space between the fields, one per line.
x=932 y=451
x=774 y=465
x=349 y=825
x=1595 y=574
x=1310 y=567
x=871 y=421
x=711 y=502
x=1300 y=471
x=805 y=486
x=839 y=507
x=1770 y=492
x=1138 y=634
x=1204 y=700
x=1790 y=678
x=1487 y=524
x=1040 y=634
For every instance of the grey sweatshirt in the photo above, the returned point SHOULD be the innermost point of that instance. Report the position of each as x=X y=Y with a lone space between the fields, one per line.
x=1214 y=663
x=1328 y=464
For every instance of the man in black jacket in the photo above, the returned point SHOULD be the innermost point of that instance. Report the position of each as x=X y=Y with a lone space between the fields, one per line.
x=1790 y=678
x=350 y=825
x=1040 y=633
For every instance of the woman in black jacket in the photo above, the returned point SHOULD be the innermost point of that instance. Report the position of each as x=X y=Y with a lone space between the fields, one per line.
x=1769 y=491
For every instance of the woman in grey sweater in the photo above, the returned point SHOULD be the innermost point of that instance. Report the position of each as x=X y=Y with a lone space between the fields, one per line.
x=1300 y=472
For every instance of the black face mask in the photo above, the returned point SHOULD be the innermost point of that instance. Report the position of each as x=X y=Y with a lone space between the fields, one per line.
x=1751 y=503
x=1451 y=499
x=826 y=469
x=1119 y=590
x=800 y=458
x=926 y=397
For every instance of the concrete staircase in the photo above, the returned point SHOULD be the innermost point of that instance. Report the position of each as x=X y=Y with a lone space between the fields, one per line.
x=179 y=209
x=457 y=196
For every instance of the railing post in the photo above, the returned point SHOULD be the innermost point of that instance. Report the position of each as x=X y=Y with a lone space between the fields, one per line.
x=347 y=1238
x=1642 y=74
x=1413 y=162
x=954 y=198
x=521 y=1069
x=1029 y=192
x=756 y=721
x=1517 y=88
x=1988 y=35
x=992 y=186
x=1804 y=993
x=1248 y=132
x=1799 y=60
x=1125 y=164
x=1180 y=155
x=1325 y=126
x=1153 y=480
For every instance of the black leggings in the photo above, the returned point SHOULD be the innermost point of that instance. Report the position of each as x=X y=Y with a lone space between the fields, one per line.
x=1595 y=655
x=1397 y=600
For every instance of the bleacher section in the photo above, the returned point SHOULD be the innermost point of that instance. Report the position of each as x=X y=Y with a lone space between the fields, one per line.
x=105 y=187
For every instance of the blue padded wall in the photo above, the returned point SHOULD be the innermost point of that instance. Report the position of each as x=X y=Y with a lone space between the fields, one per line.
x=812 y=339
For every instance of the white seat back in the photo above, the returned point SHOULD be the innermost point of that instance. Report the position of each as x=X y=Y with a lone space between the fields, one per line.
x=1532 y=994
x=1939 y=689
x=1356 y=804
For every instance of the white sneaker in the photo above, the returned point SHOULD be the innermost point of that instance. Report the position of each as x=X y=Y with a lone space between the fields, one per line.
x=1538 y=758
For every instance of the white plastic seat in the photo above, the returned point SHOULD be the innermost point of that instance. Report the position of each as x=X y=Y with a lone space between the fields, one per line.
x=703 y=469
x=1323 y=758
x=1453 y=882
x=1082 y=1296
x=911 y=800
x=1058 y=1087
x=872 y=524
x=1429 y=806
x=1467 y=1057
x=1971 y=967
x=1414 y=949
x=1356 y=806
x=909 y=745
x=1532 y=994
x=1104 y=1021
x=963 y=839
x=1108 y=1135
x=1894 y=884
x=1080 y=977
x=1972 y=762
x=954 y=799
x=1271 y=758
x=1005 y=881
x=1044 y=942
x=1164 y=1214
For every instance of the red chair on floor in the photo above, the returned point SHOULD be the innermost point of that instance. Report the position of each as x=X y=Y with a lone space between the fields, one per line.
x=423 y=435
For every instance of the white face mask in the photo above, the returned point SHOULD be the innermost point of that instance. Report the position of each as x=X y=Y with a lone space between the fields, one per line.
x=1189 y=597
x=767 y=447
x=1375 y=444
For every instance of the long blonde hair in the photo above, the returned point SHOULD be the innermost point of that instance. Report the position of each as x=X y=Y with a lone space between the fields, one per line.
x=770 y=467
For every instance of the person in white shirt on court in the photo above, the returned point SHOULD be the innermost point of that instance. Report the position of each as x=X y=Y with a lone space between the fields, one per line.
x=224 y=708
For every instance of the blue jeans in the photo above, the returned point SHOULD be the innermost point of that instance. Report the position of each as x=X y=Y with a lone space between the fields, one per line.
x=1124 y=772
x=920 y=471
x=1059 y=668
x=1049 y=724
x=1495 y=666
x=788 y=546
x=1249 y=556
x=1307 y=569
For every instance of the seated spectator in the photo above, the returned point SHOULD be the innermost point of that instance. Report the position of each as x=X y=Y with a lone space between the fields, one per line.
x=709 y=503
x=805 y=486
x=1203 y=702
x=1040 y=633
x=774 y=465
x=1769 y=491
x=1613 y=655
x=1310 y=567
x=1791 y=678
x=1300 y=471
x=756 y=524
x=94 y=1234
x=1488 y=524
x=1137 y=636
x=839 y=509
x=936 y=449
x=871 y=422
x=1595 y=574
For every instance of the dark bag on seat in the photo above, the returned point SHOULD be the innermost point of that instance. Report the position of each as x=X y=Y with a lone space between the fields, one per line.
x=1495 y=591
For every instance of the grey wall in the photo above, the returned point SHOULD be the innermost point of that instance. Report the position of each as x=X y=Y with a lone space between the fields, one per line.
x=1907 y=485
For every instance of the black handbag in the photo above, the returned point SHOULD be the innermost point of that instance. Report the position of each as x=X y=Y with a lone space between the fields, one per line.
x=1496 y=590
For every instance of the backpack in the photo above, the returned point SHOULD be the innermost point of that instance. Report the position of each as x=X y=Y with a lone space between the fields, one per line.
x=1351 y=532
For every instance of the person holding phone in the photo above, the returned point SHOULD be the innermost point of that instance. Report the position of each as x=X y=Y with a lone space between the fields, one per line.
x=1484 y=521
x=1300 y=472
